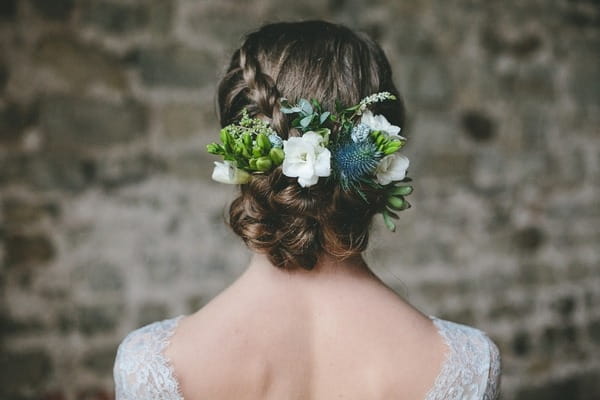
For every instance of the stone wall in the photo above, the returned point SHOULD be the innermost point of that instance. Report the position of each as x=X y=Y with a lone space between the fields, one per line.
x=109 y=220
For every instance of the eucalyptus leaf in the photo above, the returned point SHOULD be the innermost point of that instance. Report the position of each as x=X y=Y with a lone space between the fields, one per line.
x=305 y=106
x=305 y=122
x=290 y=110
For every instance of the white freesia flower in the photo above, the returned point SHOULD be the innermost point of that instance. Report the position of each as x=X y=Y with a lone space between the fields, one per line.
x=226 y=172
x=380 y=123
x=306 y=158
x=391 y=168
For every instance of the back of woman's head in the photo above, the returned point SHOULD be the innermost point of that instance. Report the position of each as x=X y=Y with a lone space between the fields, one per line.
x=317 y=60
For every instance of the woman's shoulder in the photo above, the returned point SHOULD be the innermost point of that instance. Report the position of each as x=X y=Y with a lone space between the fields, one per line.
x=472 y=364
x=141 y=369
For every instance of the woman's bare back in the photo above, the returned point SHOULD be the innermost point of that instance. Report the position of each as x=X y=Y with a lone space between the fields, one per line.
x=321 y=336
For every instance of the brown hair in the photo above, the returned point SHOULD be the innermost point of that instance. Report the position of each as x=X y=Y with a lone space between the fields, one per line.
x=312 y=60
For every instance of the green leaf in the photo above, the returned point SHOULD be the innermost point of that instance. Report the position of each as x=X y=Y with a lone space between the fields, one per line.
x=305 y=122
x=290 y=110
x=305 y=106
x=324 y=117
x=315 y=103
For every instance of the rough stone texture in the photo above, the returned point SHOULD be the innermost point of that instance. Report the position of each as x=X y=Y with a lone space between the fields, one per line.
x=8 y=9
x=72 y=124
x=81 y=65
x=116 y=18
x=24 y=371
x=55 y=10
x=109 y=220
x=27 y=249
x=174 y=66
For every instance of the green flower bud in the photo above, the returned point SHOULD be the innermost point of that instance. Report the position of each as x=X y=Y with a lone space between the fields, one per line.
x=401 y=190
x=226 y=137
x=263 y=142
x=239 y=148
x=388 y=221
x=264 y=164
x=277 y=155
x=392 y=147
x=215 y=148
x=247 y=139
x=397 y=203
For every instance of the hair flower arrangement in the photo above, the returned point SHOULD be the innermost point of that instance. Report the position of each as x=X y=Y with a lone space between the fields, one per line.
x=364 y=150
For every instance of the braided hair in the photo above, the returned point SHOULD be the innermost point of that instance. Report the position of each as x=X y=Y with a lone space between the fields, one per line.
x=318 y=60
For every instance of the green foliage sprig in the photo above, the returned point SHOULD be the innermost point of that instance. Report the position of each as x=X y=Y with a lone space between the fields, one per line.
x=310 y=114
x=247 y=144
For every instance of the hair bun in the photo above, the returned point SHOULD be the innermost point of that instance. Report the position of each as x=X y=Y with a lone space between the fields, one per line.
x=311 y=60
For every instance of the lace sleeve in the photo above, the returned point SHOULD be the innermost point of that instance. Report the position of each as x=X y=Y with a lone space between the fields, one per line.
x=141 y=370
x=471 y=369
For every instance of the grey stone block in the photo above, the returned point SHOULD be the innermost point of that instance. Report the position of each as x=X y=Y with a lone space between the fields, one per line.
x=80 y=123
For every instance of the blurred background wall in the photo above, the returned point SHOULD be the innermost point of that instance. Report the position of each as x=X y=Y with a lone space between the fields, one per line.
x=109 y=219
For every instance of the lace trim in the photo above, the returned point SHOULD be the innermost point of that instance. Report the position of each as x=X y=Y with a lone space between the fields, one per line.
x=168 y=365
x=492 y=391
x=142 y=371
x=471 y=369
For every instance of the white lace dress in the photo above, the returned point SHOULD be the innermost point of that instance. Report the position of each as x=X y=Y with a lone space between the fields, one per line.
x=471 y=370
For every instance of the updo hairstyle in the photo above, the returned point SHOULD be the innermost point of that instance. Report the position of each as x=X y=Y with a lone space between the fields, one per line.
x=318 y=60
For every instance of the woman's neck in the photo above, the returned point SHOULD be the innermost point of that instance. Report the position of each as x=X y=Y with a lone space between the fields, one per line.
x=327 y=270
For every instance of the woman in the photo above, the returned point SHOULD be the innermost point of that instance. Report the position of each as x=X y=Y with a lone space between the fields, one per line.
x=311 y=123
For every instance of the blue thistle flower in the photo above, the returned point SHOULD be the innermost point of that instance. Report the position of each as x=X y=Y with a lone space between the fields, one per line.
x=355 y=160
x=360 y=132
x=275 y=140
